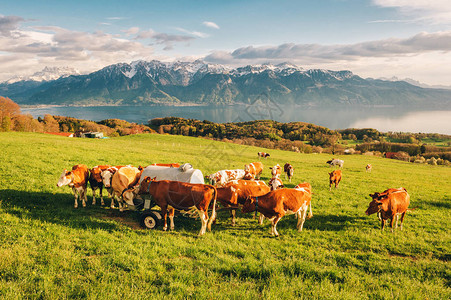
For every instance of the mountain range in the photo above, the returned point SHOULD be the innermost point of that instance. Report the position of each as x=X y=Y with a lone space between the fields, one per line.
x=178 y=83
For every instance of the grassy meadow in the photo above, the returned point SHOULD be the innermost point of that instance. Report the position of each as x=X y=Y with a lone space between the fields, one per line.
x=49 y=250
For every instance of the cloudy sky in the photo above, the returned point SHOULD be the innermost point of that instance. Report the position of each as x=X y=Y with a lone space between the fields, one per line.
x=372 y=38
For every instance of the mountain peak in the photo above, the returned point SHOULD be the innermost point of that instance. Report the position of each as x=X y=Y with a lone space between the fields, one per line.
x=46 y=74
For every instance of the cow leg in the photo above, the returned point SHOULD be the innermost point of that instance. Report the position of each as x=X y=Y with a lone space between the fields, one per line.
x=330 y=186
x=204 y=219
x=391 y=222
x=302 y=214
x=397 y=218
x=274 y=232
x=261 y=217
x=310 y=214
x=171 y=217
x=101 y=195
x=379 y=216
x=233 y=215
x=402 y=218
x=84 y=196
x=382 y=224
x=164 y=212
x=94 y=196
x=76 y=196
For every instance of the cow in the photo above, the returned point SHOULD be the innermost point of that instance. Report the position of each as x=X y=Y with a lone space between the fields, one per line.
x=276 y=170
x=235 y=193
x=289 y=171
x=335 y=162
x=181 y=196
x=222 y=177
x=123 y=179
x=277 y=203
x=96 y=182
x=263 y=154
x=368 y=168
x=77 y=179
x=275 y=183
x=253 y=170
x=334 y=178
x=389 y=204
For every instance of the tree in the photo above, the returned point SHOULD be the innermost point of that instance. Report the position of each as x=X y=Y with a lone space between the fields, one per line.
x=50 y=124
x=8 y=109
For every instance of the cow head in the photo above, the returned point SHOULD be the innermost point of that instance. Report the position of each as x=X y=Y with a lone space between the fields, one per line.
x=249 y=205
x=65 y=178
x=276 y=170
x=96 y=174
x=107 y=176
x=374 y=207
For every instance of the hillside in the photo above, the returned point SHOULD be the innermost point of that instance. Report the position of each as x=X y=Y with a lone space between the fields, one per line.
x=155 y=82
x=50 y=250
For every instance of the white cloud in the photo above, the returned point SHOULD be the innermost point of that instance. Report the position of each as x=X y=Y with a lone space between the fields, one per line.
x=431 y=11
x=194 y=33
x=211 y=24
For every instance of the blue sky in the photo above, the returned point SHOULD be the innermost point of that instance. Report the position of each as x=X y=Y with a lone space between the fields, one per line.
x=372 y=38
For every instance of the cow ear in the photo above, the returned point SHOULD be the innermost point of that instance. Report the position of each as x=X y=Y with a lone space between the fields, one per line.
x=147 y=179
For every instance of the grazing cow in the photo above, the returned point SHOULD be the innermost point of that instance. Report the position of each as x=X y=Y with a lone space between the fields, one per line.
x=253 y=170
x=335 y=162
x=276 y=204
x=222 y=177
x=390 y=204
x=289 y=171
x=235 y=193
x=173 y=165
x=263 y=154
x=276 y=170
x=306 y=187
x=96 y=182
x=368 y=167
x=123 y=179
x=77 y=179
x=334 y=178
x=181 y=196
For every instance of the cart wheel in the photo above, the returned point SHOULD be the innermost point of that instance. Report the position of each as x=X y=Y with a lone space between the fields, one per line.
x=149 y=220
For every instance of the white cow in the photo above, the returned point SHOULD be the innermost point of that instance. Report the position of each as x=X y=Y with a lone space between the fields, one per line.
x=335 y=162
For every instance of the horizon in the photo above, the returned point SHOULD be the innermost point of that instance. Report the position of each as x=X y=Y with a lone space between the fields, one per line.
x=372 y=38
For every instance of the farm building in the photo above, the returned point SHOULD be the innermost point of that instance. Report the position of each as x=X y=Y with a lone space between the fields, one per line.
x=92 y=135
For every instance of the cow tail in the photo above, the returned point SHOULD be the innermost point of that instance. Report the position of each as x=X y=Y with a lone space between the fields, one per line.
x=213 y=212
x=412 y=209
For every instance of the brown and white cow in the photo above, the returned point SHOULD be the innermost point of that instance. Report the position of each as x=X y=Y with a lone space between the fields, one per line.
x=390 y=204
x=124 y=179
x=181 y=196
x=334 y=178
x=96 y=182
x=236 y=192
x=253 y=170
x=289 y=171
x=77 y=179
x=276 y=170
x=278 y=203
x=222 y=177
x=263 y=154
x=368 y=167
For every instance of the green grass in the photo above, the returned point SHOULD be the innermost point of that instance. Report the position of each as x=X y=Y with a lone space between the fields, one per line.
x=49 y=250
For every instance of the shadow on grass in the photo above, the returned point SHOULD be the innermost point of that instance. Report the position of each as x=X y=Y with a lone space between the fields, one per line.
x=58 y=208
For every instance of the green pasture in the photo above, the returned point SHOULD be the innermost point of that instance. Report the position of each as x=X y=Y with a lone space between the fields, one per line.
x=49 y=250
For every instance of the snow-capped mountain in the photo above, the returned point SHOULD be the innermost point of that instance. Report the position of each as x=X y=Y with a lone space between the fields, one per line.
x=156 y=82
x=47 y=74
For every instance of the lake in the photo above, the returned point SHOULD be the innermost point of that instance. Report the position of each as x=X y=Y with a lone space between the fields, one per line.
x=381 y=118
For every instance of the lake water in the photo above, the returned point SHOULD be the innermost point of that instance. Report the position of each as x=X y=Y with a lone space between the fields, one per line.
x=381 y=118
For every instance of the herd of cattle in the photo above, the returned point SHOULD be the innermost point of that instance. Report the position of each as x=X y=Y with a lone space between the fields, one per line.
x=181 y=187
